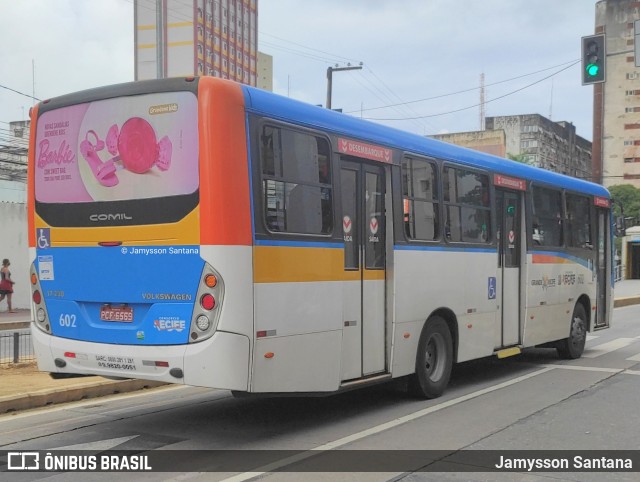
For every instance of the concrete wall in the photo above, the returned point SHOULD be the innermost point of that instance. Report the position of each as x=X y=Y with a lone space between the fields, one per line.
x=15 y=246
x=491 y=142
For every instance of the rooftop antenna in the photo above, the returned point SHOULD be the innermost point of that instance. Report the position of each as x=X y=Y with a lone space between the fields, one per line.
x=551 y=102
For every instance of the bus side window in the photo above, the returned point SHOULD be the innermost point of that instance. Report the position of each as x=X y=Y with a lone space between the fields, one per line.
x=296 y=182
x=420 y=200
x=547 y=225
x=578 y=222
x=467 y=206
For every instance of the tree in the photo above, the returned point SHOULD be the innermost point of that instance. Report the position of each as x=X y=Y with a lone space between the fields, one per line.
x=522 y=158
x=628 y=197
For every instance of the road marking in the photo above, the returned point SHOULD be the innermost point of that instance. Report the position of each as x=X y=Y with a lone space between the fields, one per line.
x=632 y=372
x=634 y=358
x=381 y=428
x=592 y=337
x=97 y=446
x=586 y=369
x=605 y=348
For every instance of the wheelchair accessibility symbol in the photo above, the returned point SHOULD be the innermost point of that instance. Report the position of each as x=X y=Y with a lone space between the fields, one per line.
x=44 y=238
x=492 y=288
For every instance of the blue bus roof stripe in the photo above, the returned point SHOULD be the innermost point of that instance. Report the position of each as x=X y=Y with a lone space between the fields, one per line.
x=289 y=110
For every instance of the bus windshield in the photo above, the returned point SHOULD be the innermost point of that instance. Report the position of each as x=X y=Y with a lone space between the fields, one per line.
x=135 y=157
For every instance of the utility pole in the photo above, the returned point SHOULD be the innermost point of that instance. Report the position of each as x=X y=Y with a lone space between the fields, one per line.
x=330 y=72
x=160 y=73
x=482 y=101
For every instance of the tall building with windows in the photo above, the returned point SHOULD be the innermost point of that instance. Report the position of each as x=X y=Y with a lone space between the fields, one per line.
x=532 y=138
x=175 y=38
x=616 y=106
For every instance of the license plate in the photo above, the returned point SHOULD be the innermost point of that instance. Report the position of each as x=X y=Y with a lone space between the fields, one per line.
x=116 y=313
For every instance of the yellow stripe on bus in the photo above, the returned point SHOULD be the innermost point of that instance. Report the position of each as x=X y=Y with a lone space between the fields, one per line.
x=184 y=232
x=285 y=264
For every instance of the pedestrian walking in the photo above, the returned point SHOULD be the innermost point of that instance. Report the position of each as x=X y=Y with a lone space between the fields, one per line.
x=6 y=283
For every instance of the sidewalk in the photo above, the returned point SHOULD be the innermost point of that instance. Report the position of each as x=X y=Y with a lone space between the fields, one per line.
x=23 y=387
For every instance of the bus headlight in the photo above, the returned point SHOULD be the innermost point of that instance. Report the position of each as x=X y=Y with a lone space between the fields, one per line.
x=203 y=323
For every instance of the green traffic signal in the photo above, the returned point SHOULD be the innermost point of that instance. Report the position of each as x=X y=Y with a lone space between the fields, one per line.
x=592 y=70
x=594 y=59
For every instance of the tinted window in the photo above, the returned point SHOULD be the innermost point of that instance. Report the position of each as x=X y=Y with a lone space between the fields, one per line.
x=578 y=227
x=547 y=217
x=467 y=206
x=296 y=182
x=420 y=196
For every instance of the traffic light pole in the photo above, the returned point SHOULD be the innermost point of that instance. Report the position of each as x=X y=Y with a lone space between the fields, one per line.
x=330 y=72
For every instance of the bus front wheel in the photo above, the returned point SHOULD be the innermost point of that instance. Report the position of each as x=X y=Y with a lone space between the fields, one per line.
x=433 y=361
x=572 y=347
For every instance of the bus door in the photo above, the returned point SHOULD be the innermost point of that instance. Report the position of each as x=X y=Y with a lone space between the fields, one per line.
x=509 y=215
x=364 y=228
x=603 y=258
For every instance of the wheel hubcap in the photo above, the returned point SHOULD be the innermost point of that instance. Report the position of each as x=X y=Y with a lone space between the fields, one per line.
x=435 y=353
x=578 y=332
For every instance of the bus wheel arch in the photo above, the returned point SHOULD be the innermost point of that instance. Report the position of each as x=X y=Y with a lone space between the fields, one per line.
x=434 y=358
x=572 y=347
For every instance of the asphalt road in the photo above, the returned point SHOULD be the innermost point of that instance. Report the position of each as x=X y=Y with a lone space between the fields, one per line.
x=531 y=402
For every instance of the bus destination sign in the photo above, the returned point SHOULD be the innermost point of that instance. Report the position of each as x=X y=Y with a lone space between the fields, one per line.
x=366 y=151
x=602 y=202
x=509 y=182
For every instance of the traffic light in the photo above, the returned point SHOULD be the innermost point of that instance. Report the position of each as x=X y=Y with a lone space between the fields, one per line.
x=593 y=59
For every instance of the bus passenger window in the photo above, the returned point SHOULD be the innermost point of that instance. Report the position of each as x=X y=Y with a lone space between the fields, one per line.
x=578 y=222
x=547 y=223
x=296 y=182
x=420 y=199
x=467 y=206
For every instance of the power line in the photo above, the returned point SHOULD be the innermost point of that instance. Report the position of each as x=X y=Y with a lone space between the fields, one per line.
x=18 y=92
x=573 y=62
x=476 y=105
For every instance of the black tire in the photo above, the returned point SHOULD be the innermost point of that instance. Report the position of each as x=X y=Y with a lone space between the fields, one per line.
x=434 y=360
x=572 y=347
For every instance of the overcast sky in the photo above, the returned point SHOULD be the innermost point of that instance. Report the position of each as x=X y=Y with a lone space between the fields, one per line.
x=411 y=50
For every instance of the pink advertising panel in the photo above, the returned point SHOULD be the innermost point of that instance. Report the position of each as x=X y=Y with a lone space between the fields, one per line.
x=137 y=147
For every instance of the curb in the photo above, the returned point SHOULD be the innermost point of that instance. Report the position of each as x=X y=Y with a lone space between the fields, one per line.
x=628 y=301
x=14 y=325
x=42 y=398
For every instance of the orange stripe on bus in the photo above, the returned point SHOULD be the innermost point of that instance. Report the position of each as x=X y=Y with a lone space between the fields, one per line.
x=31 y=179
x=549 y=259
x=225 y=210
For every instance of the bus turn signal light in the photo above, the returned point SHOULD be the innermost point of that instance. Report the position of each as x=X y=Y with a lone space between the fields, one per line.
x=211 y=281
x=34 y=279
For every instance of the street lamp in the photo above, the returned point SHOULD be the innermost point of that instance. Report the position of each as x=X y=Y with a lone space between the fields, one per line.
x=330 y=72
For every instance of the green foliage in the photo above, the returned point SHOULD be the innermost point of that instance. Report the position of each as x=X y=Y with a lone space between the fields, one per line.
x=522 y=158
x=629 y=197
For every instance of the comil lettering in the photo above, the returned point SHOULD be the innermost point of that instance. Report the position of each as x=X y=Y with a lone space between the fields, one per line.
x=110 y=217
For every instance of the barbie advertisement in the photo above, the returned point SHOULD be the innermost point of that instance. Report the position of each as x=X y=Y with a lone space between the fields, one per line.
x=125 y=148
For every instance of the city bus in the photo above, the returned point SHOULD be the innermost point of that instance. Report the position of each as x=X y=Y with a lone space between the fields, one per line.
x=202 y=232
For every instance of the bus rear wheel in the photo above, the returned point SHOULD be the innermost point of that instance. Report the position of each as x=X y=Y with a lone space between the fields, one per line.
x=433 y=361
x=572 y=347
